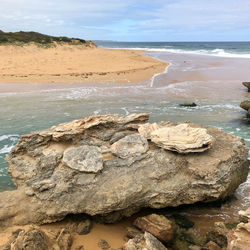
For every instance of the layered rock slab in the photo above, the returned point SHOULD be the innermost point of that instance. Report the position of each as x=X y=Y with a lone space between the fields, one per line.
x=57 y=175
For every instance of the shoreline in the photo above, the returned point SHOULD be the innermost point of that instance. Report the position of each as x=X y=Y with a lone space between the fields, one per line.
x=68 y=64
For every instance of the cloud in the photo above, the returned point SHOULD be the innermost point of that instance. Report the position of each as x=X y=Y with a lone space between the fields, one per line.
x=130 y=19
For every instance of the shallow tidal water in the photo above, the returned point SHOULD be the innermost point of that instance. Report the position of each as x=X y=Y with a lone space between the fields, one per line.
x=213 y=83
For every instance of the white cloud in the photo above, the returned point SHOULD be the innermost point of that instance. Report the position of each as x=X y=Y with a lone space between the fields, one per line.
x=135 y=19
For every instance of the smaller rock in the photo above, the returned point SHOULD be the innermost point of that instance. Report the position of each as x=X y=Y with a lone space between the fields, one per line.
x=247 y=84
x=33 y=238
x=192 y=104
x=182 y=138
x=84 y=158
x=145 y=242
x=157 y=225
x=218 y=234
x=245 y=105
x=81 y=227
x=64 y=240
x=103 y=244
x=133 y=232
x=182 y=221
x=211 y=245
x=130 y=146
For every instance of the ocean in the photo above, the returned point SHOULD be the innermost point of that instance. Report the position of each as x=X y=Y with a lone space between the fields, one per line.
x=209 y=74
x=220 y=49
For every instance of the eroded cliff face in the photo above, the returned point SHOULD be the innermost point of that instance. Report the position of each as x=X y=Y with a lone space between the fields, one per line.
x=102 y=165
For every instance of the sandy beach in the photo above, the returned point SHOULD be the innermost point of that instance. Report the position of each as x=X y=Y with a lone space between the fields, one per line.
x=74 y=63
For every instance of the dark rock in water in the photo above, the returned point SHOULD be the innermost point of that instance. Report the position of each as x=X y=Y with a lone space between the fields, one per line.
x=247 y=84
x=157 y=225
x=192 y=104
x=125 y=179
x=182 y=221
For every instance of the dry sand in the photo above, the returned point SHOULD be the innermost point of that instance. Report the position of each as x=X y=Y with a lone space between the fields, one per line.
x=74 y=63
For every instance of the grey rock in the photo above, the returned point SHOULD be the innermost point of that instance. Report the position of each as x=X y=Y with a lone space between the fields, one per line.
x=83 y=158
x=145 y=242
x=130 y=146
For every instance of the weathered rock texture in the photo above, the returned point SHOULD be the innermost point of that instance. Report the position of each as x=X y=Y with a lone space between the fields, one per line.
x=102 y=165
x=247 y=84
x=157 y=225
x=182 y=138
x=246 y=105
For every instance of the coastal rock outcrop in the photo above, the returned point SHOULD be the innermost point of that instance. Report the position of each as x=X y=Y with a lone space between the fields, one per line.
x=246 y=105
x=247 y=84
x=102 y=166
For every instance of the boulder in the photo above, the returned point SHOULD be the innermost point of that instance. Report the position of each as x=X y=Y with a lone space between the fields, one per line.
x=145 y=242
x=114 y=178
x=182 y=138
x=157 y=225
x=247 y=84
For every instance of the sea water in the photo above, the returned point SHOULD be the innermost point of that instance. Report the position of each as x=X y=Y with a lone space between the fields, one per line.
x=212 y=82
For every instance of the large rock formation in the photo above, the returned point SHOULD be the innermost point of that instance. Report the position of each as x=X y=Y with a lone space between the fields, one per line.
x=102 y=165
x=247 y=84
x=246 y=105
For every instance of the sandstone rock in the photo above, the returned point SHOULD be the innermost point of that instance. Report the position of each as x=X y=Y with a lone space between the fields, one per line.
x=247 y=84
x=84 y=158
x=130 y=146
x=32 y=239
x=182 y=138
x=157 y=225
x=145 y=242
x=245 y=105
x=48 y=189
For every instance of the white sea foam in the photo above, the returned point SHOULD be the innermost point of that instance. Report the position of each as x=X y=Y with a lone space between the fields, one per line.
x=9 y=141
x=216 y=52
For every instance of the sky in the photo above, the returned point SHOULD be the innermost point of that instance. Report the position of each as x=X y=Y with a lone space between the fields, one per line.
x=131 y=20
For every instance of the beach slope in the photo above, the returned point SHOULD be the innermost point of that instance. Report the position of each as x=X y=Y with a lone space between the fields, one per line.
x=64 y=63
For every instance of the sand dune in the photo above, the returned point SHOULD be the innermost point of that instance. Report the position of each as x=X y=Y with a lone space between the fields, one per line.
x=74 y=63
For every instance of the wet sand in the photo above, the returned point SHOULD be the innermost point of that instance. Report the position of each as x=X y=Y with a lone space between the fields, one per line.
x=75 y=63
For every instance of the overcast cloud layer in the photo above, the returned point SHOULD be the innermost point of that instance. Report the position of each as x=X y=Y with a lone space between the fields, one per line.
x=131 y=20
